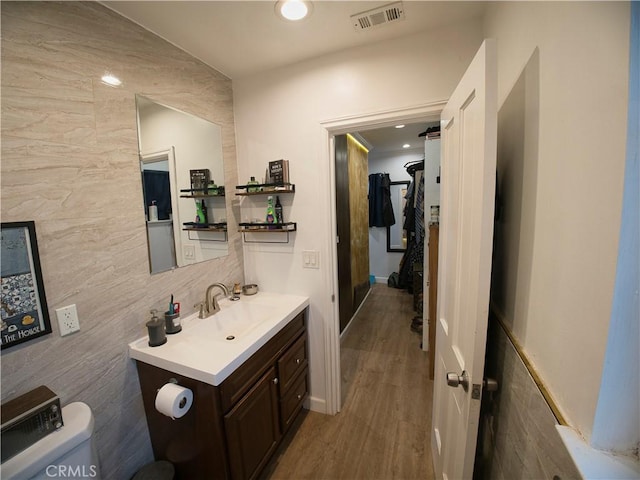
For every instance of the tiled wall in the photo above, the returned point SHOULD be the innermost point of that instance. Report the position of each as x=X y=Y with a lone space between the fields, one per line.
x=70 y=162
x=518 y=434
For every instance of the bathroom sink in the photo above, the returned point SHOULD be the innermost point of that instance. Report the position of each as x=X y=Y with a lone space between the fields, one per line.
x=210 y=349
x=236 y=320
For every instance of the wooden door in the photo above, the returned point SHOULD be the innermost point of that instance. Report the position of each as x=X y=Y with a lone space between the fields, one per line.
x=469 y=126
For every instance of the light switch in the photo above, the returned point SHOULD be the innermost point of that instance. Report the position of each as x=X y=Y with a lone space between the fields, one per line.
x=310 y=259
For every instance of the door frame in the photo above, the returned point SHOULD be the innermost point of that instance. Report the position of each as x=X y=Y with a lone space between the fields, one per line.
x=329 y=129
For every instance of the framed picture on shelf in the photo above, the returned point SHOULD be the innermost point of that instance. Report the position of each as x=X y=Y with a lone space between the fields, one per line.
x=24 y=312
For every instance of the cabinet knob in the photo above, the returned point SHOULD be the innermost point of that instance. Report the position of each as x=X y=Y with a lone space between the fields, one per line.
x=275 y=381
x=299 y=396
x=298 y=361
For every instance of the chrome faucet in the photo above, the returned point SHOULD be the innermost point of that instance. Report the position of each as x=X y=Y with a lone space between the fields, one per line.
x=210 y=304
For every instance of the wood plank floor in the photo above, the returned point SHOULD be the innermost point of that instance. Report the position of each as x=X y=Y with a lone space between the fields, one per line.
x=383 y=430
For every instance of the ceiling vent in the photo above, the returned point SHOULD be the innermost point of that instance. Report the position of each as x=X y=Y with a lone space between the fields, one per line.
x=392 y=12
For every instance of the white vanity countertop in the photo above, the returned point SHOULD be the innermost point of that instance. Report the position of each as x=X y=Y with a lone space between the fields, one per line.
x=201 y=350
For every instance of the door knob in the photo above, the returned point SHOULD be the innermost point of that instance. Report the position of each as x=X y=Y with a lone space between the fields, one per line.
x=490 y=385
x=455 y=380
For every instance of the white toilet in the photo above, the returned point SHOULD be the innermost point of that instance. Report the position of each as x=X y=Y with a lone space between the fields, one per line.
x=66 y=453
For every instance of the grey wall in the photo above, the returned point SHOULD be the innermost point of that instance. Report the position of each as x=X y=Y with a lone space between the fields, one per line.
x=70 y=162
x=518 y=429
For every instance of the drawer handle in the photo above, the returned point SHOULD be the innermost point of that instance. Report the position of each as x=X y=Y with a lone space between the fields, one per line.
x=298 y=361
x=275 y=381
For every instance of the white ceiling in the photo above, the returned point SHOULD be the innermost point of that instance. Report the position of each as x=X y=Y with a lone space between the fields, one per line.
x=242 y=38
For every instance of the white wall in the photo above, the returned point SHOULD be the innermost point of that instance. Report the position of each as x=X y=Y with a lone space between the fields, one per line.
x=563 y=274
x=278 y=115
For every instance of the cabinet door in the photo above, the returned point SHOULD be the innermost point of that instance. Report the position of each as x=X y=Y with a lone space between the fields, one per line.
x=253 y=429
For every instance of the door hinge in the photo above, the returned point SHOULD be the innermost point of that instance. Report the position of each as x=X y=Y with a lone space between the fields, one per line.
x=333 y=298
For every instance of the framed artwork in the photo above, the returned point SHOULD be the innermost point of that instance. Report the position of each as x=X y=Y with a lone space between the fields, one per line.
x=24 y=312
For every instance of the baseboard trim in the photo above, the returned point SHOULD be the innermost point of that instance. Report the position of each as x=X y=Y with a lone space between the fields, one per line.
x=317 y=404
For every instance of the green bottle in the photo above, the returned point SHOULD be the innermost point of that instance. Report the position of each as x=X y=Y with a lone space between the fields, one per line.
x=253 y=181
x=271 y=212
x=201 y=212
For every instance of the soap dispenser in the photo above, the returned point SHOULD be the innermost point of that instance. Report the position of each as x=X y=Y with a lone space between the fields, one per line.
x=156 y=327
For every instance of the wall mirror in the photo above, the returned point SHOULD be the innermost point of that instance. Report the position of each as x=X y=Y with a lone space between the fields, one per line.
x=182 y=174
x=396 y=234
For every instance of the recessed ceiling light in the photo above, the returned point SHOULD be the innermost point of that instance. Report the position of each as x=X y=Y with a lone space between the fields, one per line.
x=399 y=126
x=293 y=9
x=406 y=145
x=111 y=80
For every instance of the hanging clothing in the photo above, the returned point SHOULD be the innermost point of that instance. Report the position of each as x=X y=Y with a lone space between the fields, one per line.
x=408 y=213
x=380 y=207
x=419 y=209
x=414 y=225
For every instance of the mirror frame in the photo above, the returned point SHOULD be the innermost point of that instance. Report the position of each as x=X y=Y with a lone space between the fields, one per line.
x=398 y=224
x=202 y=248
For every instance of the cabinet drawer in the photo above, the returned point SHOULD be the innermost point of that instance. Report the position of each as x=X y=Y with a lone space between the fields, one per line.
x=292 y=363
x=240 y=381
x=291 y=402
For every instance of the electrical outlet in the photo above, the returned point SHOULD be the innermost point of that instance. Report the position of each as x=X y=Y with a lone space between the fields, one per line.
x=68 y=320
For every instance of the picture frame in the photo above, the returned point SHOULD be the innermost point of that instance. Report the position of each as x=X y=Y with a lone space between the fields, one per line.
x=24 y=311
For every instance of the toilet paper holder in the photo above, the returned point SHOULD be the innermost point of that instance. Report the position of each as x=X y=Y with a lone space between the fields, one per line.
x=171 y=380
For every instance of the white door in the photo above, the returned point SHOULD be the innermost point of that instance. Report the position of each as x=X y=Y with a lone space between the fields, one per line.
x=468 y=129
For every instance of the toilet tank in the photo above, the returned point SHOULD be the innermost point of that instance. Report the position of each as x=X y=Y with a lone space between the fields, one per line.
x=66 y=453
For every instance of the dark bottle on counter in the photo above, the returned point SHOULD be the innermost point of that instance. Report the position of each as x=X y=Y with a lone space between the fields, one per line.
x=279 y=218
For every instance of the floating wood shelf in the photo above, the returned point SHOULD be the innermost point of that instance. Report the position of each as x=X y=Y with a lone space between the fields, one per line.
x=267 y=189
x=201 y=193
x=206 y=228
x=286 y=227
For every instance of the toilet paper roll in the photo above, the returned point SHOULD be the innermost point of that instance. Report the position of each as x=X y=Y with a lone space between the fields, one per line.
x=173 y=400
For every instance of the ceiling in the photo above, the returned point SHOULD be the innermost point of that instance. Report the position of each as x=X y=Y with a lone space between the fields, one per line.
x=391 y=139
x=243 y=38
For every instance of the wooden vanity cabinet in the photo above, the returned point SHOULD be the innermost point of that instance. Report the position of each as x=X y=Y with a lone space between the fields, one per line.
x=233 y=429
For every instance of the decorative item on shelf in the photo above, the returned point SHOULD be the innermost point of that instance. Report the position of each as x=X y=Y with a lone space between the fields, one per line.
x=252 y=182
x=279 y=216
x=435 y=213
x=199 y=179
x=212 y=188
x=153 y=211
x=271 y=213
x=279 y=172
x=201 y=212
